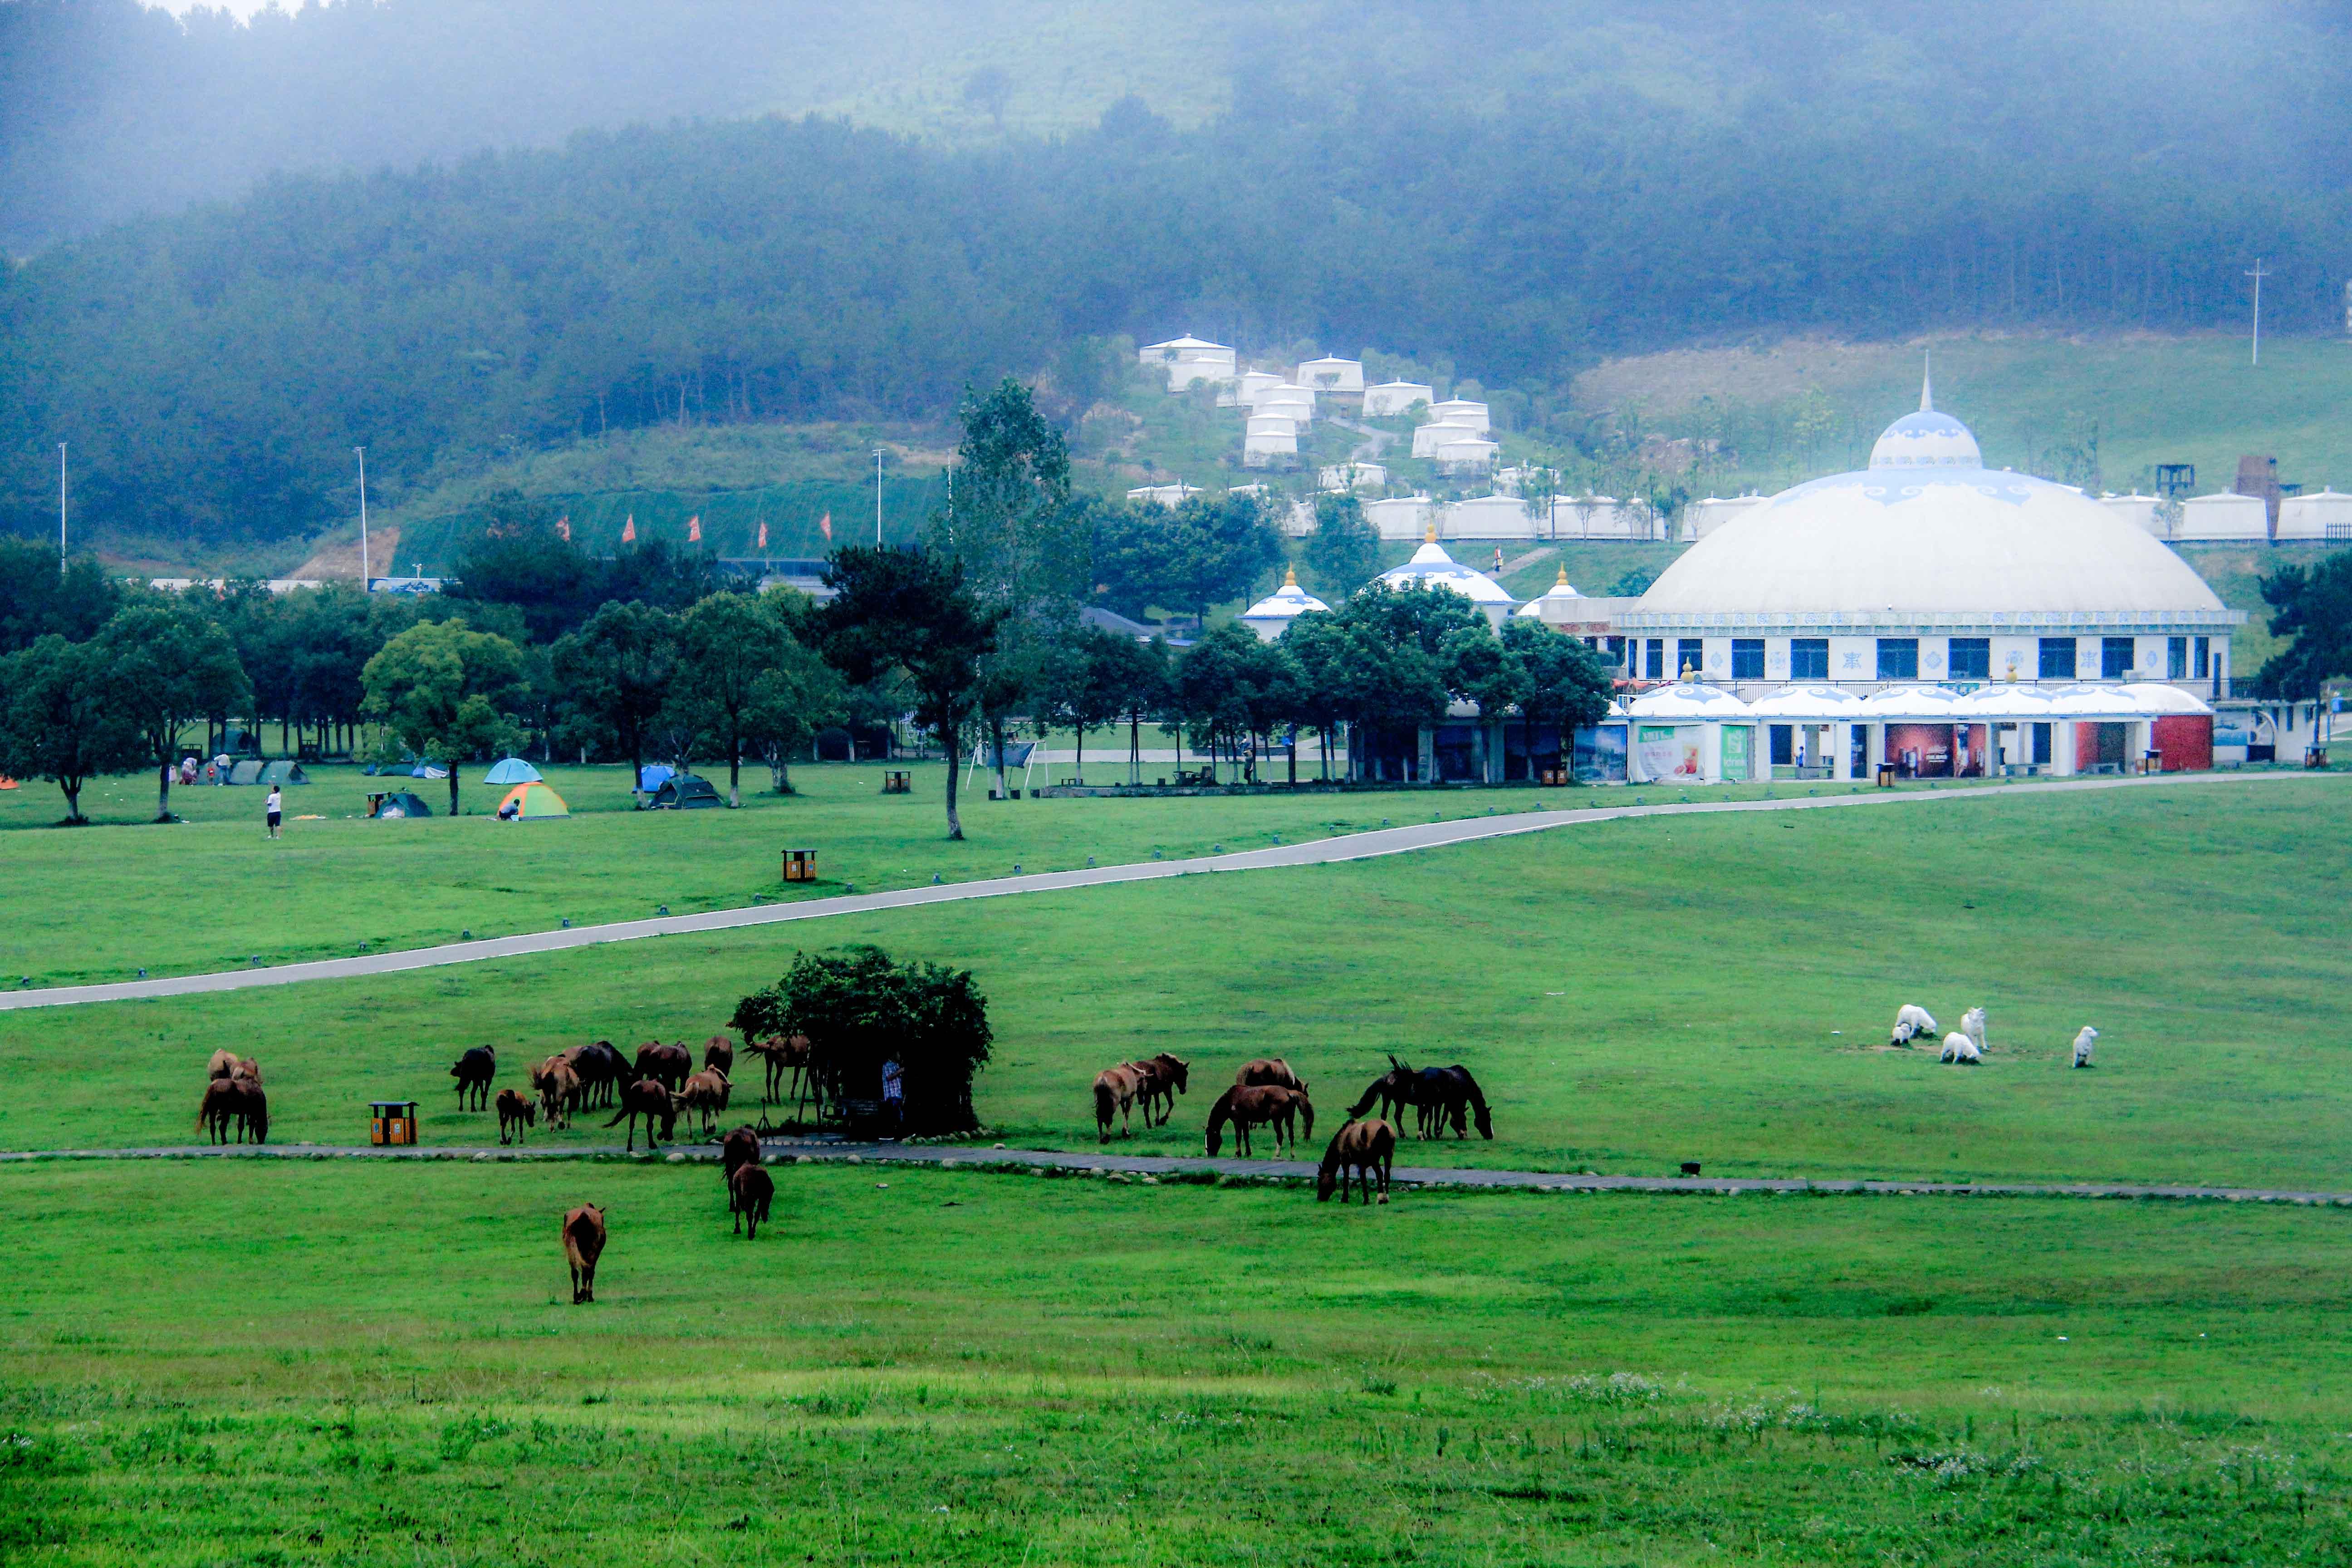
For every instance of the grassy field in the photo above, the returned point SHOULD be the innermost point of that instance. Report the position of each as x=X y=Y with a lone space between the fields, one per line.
x=1632 y=994
x=339 y=1363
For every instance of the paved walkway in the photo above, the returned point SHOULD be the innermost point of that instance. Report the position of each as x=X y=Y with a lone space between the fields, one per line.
x=965 y=1156
x=1315 y=852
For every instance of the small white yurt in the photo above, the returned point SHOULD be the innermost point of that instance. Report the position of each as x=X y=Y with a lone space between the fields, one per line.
x=1257 y=451
x=1391 y=398
x=2326 y=516
x=1468 y=456
x=1173 y=495
x=2137 y=510
x=1271 y=617
x=1398 y=517
x=1253 y=384
x=1690 y=733
x=2224 y=516
x=1428 y=438
x=1556 y=604
x=1459 y=411
x=1432 y=567
x=1487 y=517
x=1189 y=359
x=1264 y=424
x=1358 y=477
x=1327 y=374
x=1702 y=517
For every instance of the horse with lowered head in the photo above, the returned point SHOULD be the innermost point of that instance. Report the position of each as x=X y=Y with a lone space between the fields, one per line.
x=1259 y=1105
x=237 y=1100
x=1445 y=1093
x=1269 y=1072
x=1360 y=1149
x=1396 y=1091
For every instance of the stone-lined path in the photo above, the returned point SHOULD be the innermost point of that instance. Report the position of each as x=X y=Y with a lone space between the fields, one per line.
x=1362 y=845
x=998 y=1159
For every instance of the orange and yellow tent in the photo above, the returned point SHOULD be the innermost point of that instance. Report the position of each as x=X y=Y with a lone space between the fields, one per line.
x=532 y=801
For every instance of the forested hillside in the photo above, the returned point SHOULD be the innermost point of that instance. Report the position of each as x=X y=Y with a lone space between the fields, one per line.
x=214 y=369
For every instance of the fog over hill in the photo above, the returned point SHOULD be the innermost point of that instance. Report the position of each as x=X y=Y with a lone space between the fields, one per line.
x=446 y=228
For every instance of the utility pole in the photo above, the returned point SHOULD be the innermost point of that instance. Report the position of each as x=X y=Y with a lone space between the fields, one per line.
x=61 y=508
x=360 y=452
x=2258 y=274
x=878 y=497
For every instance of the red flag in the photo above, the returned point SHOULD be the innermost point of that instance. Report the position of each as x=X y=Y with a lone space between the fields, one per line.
x=629 y=530
x=824 y=525
x=763 y=533
x=564 y=527
x=694 y=529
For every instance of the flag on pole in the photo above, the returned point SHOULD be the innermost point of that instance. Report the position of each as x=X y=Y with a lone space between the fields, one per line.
x=564 y=527
x=694 y=529
x=629 y=530
x=763 y=533
x=824 y=526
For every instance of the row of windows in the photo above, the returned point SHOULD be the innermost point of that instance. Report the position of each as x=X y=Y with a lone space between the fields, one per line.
x=1965 y=658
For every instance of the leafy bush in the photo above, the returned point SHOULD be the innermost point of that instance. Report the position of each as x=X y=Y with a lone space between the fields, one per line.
x=859 y=1008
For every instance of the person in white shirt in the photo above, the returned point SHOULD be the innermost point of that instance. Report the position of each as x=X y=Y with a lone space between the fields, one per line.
x=275 y=806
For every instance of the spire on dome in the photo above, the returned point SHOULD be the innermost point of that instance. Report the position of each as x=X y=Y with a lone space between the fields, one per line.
x=1927 y=383
x=1290 y=577
x=1563 y=576
x=1429 y=534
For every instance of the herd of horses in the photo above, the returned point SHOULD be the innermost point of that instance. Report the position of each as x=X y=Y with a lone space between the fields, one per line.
x=657 y=1086
x=751 y=1194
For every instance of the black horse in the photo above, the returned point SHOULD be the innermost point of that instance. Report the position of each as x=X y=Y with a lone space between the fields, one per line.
x=1436 y=1096
x=1393 y=1090
x=475 y=1072
x=602 y=1071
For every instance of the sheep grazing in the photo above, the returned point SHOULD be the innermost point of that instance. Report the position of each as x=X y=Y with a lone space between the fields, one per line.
x=1910 y=1024
x=2083 y=1046
x=1972 y=1025
x=1961 y=1051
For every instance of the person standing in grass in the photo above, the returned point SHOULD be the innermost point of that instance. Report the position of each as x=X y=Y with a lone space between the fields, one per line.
x=276 y=806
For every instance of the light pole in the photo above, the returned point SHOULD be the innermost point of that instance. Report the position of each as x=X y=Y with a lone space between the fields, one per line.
x=61 y=508
x=360 y=452
x=2258 y=274
x=878 y=496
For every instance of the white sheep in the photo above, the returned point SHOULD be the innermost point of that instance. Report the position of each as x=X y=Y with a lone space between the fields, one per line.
x=1961 y=1051
x=1910 y=1024
x=2083 y=1046
x=1972 y=1025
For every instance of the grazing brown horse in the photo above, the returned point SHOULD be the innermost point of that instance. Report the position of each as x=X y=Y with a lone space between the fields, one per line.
x=1269 y=1072
x=740 y=1147
x=750 y=1191
x=1114 y=1093
x=237 y=1099
x=517 y=1111
x=583 y=1243
x=1364 y=1149
x=706 y=1091
x=651 y=1099
x=1165 y=1078
x=671 y=1064
x=559 y=1090
x=1276 y=1109
x=718 y=1051
x=475 y=1072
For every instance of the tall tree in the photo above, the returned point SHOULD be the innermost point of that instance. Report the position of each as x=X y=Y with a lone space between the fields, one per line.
x=65 y=718
x=729 y=646
x=1344 y=551
x=175 y=667
x=445 y=691
x=36 y=599
x=617 y=670
x=1565 y=686
x=2315 y=611
x=910 y=611
x=1088 y=673
x=1204 y=552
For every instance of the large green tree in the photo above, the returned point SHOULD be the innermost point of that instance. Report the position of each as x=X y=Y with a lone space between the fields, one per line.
x=1565 y=686
x=1344 y=551
x=445 y=692
x=2314 y=605
x=63 y=718
x=1206 y=552
x=617 y=672
x=175 y=667
x=729 y=645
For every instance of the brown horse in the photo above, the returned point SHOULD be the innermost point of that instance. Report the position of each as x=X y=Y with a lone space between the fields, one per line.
x=706 y=1091
x=718 y=1051
x=559 y=1090
x=237 y=1099
x=1259 y=1106
x=750 y=1191
x=602 y=1070
x=1364 y=1149
x=651 y=1099
x=517 y=1111
x=247 y=1069
x=583 y=1243
x=740 y=1147
x=669 y=1064
x=1269 y=1072
x=1115 y=1092
x=1165 y=1078
x=222 y=1065
x=782 y=1055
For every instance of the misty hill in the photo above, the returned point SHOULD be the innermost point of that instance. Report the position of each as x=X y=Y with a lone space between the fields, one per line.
x=108 y=109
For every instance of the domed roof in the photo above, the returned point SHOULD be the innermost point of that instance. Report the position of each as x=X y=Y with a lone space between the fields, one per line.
x=1558 y=592
x=1928 y=439
x=1919 y=542
x=1433 y=568
x=1285 y=602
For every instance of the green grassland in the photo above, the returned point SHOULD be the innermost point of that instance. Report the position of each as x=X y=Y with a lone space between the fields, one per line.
x=1631 y=994
x=352 y=1363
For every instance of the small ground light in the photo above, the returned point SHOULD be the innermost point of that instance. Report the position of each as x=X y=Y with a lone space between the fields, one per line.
x=466 y=935
x=143 y=974
x=567 y=921
x=935 y=878
x=1090 y=860
x=1155 y=854
x=661 y=909
x=1016 y=867
x=1384 y=821
x=1216 y=849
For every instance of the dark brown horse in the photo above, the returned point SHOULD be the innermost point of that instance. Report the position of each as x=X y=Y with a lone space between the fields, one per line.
x=1277 y=1109
x=237 y=1099
x=750 y=1191
x=1361 y=1149
x=718 y=1051
x=1446 y=1092
x=670 y=1065
x=517 y=1111
x=475 y=1072
x=1269 y=1072
x=1396 y=1091
x=583 y=1243
x=1165 y=1078
x=739 y=1147
x=601 y=1070
x=651 y=1099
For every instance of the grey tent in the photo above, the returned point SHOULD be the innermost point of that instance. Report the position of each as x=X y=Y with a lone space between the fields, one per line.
x=397 y=804
x=247 y=772
x=685 y=791
x=282 y=774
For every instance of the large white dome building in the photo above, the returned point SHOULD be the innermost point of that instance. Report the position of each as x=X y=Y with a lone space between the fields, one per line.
x=1927 y=566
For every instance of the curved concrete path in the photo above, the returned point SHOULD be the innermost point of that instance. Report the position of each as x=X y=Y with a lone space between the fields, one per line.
x=1000 y=1159
x=1314 y=852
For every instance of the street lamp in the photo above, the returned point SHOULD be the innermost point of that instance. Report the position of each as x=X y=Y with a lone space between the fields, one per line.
x=360 y=452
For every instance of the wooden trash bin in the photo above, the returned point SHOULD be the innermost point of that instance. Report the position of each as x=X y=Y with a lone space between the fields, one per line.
x=1886 y=775
x=2315 y=756
x=897 y=781
x=800 y=865
x=392 y=1122
x=1555 y=777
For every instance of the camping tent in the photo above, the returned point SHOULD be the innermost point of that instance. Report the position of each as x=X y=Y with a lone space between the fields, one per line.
x=282 y=774
x=511 y=771
x=247 y=772
x=684 y=792
x=652 y=777
x=397 y=804
x=531 y=802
